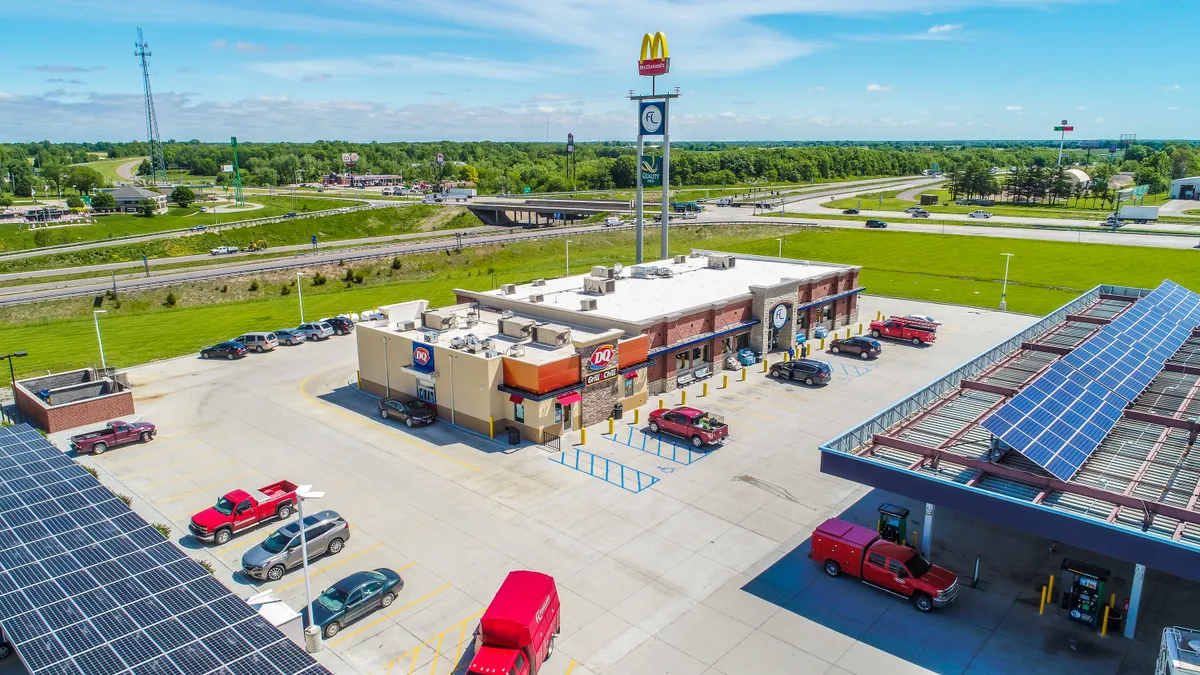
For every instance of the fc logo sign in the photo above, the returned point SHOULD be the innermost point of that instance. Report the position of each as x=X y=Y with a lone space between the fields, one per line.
x=652 y=119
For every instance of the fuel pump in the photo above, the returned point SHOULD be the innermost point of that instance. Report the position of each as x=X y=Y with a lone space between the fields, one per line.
x=893 y=523
x=1083 y=592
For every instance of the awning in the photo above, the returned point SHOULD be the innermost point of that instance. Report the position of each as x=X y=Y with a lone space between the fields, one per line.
x=703 y=337
x=568 y=399
x=515 y=399
x=631 y=375
x=829 y=298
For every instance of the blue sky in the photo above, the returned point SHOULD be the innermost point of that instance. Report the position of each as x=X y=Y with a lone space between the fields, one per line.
x=391 y=70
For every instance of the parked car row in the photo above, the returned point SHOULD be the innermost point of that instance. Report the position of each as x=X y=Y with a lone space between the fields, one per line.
x=263 y=341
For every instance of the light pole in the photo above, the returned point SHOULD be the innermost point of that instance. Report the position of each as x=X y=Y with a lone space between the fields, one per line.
x=96 y=318
x=1004 y=289
x=13 y=377
x=780 y=246
x=568 y=257
x=300 y=294
x=312 y=634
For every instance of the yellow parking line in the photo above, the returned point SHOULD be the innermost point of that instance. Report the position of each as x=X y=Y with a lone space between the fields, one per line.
x=414 y=661
x=193 y=474
x=571 y=667
x=339 y=562
x=437 y=654
x=391 y=664
x=126 y=459
x=358 y=419
x=423 y=598
x=461 y=625
x=210 y=486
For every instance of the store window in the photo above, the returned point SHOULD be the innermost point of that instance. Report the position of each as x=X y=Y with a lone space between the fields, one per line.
x=827 y=313
x=802 y=320
x=558 y=409
x=519 y=412
x=683 y=361
x=742 y=341
x=726 y=345
x=629 y=383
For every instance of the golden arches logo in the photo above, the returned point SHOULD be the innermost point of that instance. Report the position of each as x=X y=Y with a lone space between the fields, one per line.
x=651 y=63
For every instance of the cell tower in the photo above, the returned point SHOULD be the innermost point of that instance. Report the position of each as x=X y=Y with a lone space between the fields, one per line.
x=158 y=165
x=239 y=200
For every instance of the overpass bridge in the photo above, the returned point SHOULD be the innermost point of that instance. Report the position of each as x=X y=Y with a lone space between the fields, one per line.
x=537 y=212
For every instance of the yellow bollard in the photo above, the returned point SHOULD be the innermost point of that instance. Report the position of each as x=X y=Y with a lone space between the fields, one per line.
x=1112 y=601
x=683 y=397
x=724 y=381
x=610 y=426
x=743 y=374
x=491 y=426
x=583 y=436
x=764 y=365
x=1042 y=605
x=1050 y=590
x=660 y=404
x=847 y=332
x=1104 y=626
x=358 y=375
x=914 y=539
x=704 y=391
x=878 y=316
x=635 y=416
x=822 y=344
x=860 y=329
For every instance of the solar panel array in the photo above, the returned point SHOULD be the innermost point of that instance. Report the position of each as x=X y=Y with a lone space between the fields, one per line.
x=87 y=587
x=1061 y=417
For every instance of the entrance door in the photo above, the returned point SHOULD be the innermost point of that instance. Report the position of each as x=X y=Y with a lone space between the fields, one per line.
x=1187 y=192
x=567 y=415
x=425 y=391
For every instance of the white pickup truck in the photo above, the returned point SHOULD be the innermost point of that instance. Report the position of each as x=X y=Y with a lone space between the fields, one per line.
x=223 y=250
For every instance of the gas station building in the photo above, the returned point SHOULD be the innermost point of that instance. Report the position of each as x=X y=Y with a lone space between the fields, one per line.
x=553 y=355
x=1132 y=496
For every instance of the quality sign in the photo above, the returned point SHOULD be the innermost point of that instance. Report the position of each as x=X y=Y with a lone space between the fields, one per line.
x=651 y=168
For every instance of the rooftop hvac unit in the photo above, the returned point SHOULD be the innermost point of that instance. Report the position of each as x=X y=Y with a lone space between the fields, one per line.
x=457 y=343
x=641 y=272
x=429 y=336
x=471 y=320
x=539 y=282
x=603 y=272
x=594 y=286
x=491 y=353
x=537 y=297
x=439 y=321
x=406 y=325
x=519 y=328
x=664 y=272
x=508 y=289
x=694 y=254
x=680 y=259
x=552 y=335
x=721 y=262
x=516 y=350
x=587 y=305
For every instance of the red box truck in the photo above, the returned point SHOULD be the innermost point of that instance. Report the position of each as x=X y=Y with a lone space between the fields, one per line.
x=517 y=631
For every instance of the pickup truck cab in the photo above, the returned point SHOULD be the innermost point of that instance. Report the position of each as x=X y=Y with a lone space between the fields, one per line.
x=979 y=213
x=916 y=331
x=517 y=631
x=113 y=434
x=846 y=548
x=699 y=427
x=241 y=510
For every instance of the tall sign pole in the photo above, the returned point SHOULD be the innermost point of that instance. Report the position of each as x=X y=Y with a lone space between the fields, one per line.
x=652 y=121
x=1062 y=129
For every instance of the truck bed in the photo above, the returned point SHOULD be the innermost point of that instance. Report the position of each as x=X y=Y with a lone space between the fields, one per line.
x=275 y=491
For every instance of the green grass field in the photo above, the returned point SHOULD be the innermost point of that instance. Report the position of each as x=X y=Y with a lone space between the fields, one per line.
x=374 y=223
x=15 y=237
x=1083 y=209
x=108 y=168
x=959 y=270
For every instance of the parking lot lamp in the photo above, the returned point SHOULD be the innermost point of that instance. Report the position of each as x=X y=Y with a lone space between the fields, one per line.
x=300 y=294
x=13 y=378
x=780 y=246
x=1004 y=288
x=312 y=634
x=96 y=319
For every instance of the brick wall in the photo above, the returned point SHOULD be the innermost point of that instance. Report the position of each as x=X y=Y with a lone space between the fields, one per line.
x=71 y=415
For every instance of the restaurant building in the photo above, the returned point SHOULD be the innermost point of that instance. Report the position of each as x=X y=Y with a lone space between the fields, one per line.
x=556 y=354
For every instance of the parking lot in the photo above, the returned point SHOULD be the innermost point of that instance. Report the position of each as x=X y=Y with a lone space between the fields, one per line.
x=663 y=555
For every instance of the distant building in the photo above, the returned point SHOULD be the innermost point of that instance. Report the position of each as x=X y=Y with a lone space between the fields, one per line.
x=1077 y=177
x=1186 y=188
x=129 y=197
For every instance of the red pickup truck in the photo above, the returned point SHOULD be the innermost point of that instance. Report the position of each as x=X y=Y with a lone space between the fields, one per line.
x=693 y=424
x=516 y=633
x=240 y=510
x=916 y=331
x=113 y=434
x=846 y=548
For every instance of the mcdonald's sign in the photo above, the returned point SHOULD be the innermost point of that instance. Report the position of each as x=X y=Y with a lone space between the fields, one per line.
x=651 y=63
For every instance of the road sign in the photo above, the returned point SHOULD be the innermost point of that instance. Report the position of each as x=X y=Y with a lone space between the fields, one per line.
x=527 y=190
x=227 y=168
x=652 y=118
x=1139 y=191
x=651 y=168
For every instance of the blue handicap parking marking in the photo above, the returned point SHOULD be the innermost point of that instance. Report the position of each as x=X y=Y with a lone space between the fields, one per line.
x=662 y=446
x=853 y=370
x=597 y=466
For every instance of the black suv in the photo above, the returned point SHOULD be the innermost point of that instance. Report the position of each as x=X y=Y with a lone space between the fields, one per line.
x=809 y=371
x=862 y=345
x=876 y=223
x=341 y=325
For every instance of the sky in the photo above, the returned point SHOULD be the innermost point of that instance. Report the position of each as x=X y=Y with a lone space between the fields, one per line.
x=414 y=70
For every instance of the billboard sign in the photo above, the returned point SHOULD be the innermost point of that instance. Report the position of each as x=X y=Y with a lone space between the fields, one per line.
x=349 y=158
x=652 y=118
x=651 y=168
x=422 y=357
x=440 y=159
x=1064 y=127
x=570 y=142
x=227 y=168
x=1139 y=191
x=655 y=59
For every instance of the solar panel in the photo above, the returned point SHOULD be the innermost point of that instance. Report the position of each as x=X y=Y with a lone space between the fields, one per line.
x=88 y=587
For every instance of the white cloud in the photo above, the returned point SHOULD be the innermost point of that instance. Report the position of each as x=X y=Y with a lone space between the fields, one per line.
x=250 y=47
x=819 y=88
x=1172 y=108
x=1098 y=120
x=315 y=77
x=1013 y=107
x=1081 y=108
x=878 y=87
x=219 y=44
x=1173 y=87
x=946 y=28
x=407 y=65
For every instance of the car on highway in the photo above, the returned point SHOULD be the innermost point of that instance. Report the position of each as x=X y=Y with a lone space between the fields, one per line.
x=319 y=330
x=864 y=346
x=876 y=224
x=412 y=413
x=808 y=371
x=342 y=325
x=979 y=213
x=325 y=532
x=912 y=209
x=290 y=214
x=690 y=215
x=920 y=213
x=223 y=250
x=850 y=212
x=113 y=434
x=290 y=336
x=344 y=209
x=229 y=349
x=198 y=228
x=259 y=341
x=352 y=598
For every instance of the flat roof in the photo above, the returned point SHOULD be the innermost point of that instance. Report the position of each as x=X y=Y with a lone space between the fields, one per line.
x=691 y=284
x=1135 y=497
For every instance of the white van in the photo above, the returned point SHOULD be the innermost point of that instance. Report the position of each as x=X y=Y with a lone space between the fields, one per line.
x=613 y=221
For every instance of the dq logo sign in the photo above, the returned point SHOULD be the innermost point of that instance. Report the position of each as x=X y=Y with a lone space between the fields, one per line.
x=602 y=357
x=422 y=357
x=651 y=63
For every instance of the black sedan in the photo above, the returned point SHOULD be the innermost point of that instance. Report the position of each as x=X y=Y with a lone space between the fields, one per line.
x=850 y=212
x=806 y=370
x=290 y=336
x=353 y=598
x=862 y=345
x=230 y=350
x=412 y=413
x=876 y=223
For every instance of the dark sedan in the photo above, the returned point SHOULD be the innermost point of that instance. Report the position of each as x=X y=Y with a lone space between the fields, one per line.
x=806 y=370
x=290 y=336
x=850 y=212
x=862 y=345
x=876 y=223
x=230 y=350
x=412 y=413
x=353 y=598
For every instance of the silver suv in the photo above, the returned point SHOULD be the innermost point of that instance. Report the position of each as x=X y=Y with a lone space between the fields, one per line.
x=326 y=532
x=318 y=330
